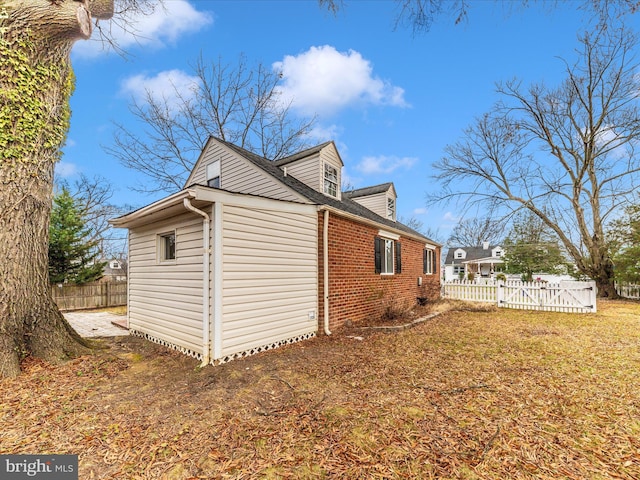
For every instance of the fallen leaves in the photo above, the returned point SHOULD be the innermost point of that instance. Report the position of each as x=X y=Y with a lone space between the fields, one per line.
x=470 y=394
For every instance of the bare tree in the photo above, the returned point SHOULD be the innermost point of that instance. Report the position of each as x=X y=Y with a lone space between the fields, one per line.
x=420 y=15
x=472 y=232
x=232 y=102
x=565 y=154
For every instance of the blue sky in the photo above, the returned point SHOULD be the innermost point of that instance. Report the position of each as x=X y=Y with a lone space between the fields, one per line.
x=390 y=100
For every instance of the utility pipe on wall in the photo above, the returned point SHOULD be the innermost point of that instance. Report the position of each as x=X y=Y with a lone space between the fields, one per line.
x=325 y=270
x=206 y=341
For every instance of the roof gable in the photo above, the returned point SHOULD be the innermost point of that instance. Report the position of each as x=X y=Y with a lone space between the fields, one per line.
x=304 y=192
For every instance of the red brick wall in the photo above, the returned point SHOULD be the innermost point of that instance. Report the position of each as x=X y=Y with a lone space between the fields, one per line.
x=356 y=292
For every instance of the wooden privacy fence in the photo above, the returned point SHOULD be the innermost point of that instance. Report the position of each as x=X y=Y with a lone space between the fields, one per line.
x=566 y=296
x=89 y=295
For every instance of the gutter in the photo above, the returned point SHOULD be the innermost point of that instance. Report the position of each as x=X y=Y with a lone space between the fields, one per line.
x=325 y=269
x=373 y=223
x=124 y=220
x=206 y=337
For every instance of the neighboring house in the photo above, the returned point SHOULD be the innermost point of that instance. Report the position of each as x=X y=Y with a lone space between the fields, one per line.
x=483 y=261
x=114 y=271
x=254 y=254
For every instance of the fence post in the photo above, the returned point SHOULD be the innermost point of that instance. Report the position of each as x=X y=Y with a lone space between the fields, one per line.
x=593 y=296
x=499 y=293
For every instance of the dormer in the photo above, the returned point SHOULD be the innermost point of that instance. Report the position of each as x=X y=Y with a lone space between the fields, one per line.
x=497 y=252
x=319 y=167
x=459 y=254
x=380 y=199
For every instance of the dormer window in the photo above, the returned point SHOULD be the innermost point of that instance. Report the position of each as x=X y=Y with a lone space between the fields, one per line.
x=330 y=180
x=114 y=265
x=213 y=174
x=391 y=208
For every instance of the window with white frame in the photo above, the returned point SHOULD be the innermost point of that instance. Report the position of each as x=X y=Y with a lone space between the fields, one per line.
x=330 y=180
x=388 y=256
x=167 y=247
x=213 y=174
x=391 y=208
x=458 y=269
x=428 y=261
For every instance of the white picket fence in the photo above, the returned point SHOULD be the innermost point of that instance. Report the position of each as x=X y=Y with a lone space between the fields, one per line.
x=628 y=291
x=566 y=296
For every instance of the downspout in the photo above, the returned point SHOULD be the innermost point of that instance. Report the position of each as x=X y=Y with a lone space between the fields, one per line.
x=206 y=341
x=325 y=270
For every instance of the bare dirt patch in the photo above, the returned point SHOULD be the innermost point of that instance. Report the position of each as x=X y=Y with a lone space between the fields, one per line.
x=477 y=393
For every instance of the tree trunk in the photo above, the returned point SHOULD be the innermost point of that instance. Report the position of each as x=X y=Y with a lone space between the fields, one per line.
x=36 y=82
x=605 y=280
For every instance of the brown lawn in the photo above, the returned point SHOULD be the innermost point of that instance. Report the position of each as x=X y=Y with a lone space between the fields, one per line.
x=490 y=394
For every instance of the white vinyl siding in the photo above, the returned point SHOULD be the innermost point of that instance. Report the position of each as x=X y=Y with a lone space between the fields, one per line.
x=165 y=300
x=379 y=203
x=270 y=275
x=238 y=174
x=306 y=170
x=243 y=177
x=376 y=203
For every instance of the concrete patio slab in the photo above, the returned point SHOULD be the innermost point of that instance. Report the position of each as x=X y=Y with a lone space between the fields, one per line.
x=97 y=324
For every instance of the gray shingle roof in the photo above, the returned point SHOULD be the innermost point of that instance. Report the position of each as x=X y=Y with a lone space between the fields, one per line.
x=346 y=204
x=473 y=253
x=299 y=155
x=363 y=192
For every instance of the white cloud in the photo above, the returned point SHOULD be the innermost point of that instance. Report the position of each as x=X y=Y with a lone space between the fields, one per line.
x=450 y=217
x=322 y=133
x=420 y=211
x=163 y=86
x=384 y=164
x=166 y=23
x=607 y=138
x=66 y=169
x=323 y=80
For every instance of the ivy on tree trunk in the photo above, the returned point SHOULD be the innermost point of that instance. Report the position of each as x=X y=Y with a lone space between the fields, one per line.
x=36 y=82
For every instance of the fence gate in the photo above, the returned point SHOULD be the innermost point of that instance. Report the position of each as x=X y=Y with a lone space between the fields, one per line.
x=578 y=297
x=566 y=296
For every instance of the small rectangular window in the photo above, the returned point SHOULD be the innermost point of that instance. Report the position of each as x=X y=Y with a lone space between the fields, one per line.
x=330 y=180
x=213 y=174
x=167 y=246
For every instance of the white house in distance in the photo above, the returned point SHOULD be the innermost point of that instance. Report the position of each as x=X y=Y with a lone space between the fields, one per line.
x=483 y=261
